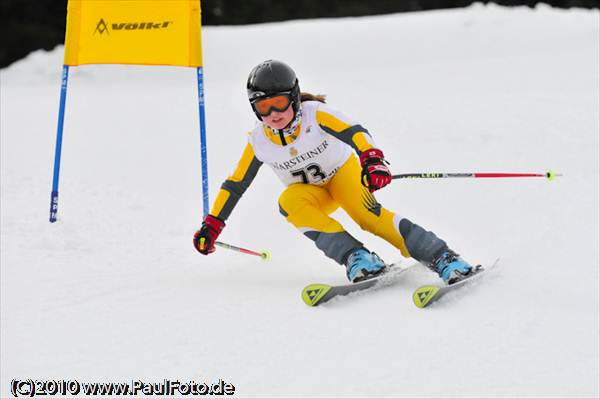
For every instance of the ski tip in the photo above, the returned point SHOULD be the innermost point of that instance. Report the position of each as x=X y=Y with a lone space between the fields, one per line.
x=423 y=295
x=313 y=294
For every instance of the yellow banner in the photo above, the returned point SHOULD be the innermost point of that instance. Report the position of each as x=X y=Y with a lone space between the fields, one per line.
x=147 y=32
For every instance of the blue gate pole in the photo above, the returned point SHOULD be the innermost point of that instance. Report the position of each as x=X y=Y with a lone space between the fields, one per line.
x=58 y=150
x=203 y=140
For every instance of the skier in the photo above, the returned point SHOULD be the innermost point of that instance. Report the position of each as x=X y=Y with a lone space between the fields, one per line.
x=309 y=147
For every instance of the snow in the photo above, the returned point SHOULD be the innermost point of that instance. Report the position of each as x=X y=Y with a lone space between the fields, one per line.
x=115 y=291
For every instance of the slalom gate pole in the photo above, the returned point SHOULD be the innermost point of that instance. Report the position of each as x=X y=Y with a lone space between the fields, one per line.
x=58 y=148
x=203 y=152
x=264 y=254
x=548 y=175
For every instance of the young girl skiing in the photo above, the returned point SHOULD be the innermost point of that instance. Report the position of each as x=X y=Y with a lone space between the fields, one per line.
x=309 y=147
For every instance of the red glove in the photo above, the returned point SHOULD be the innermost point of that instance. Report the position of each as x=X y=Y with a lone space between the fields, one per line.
x=204 y=239
x=375 y=174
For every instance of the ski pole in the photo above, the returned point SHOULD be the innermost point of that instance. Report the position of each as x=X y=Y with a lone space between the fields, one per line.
x=264 y=254
x=550 y=175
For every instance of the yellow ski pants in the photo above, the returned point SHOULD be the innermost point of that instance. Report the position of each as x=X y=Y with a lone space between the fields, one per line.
x=308 y=207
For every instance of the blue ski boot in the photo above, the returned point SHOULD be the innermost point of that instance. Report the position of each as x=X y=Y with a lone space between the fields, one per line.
x=451 y=268
x=362 y=264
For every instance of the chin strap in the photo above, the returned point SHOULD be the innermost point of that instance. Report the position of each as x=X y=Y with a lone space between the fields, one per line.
x=282 y=138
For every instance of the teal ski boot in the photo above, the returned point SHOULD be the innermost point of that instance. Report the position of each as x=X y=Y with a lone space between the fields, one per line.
x=451 y=267
x=362 y=264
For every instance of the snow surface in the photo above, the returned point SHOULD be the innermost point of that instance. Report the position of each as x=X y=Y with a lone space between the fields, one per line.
x=115 y=291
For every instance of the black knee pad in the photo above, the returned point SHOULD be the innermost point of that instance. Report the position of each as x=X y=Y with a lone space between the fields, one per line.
x=423 y=245
x=335 y=245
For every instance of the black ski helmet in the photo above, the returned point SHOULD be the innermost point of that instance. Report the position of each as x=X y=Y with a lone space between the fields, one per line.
x=273 y=77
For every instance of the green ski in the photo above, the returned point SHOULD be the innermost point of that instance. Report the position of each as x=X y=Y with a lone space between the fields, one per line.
x=316 y=294
x=428 y=294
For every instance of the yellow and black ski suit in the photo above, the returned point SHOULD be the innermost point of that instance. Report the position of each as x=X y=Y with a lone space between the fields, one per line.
x=315 y=161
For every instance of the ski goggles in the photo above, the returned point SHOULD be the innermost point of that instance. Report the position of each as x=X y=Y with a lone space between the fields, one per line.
x=279 y=103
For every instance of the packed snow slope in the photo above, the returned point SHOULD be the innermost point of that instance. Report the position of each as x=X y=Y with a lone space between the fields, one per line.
x=115 y=291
